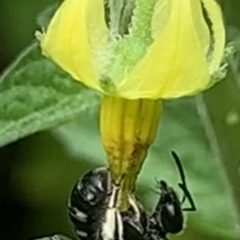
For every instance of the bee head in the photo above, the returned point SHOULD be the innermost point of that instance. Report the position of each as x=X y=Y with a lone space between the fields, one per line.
x=92 y=189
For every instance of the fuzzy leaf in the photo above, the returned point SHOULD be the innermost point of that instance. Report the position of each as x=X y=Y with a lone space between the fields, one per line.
x=36 y=95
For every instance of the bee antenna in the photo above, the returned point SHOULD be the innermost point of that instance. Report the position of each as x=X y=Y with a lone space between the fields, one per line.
x=180 y=168
x=183 y=185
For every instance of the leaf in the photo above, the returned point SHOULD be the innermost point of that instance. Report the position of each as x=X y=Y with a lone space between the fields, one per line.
x=36 y=95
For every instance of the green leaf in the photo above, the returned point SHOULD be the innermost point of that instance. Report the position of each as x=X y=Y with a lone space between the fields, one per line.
x=36 y=95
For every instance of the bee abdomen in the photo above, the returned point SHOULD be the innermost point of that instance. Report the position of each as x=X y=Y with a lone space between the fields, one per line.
x=88 y=203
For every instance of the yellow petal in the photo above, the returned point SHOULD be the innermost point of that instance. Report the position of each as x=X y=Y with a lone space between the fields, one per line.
x=74 y=35
x=201 y=26
x=215 y=16
x=175 y=63
x=161 y=15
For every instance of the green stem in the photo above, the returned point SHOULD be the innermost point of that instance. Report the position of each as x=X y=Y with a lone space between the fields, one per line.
x=220 y=112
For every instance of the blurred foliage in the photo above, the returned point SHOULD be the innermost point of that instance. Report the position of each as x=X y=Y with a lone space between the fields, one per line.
x=38 y=172
x=36 y=95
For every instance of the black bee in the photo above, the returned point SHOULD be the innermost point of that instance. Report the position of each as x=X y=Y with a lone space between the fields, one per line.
x=93 y=207
x=168 y=214
x=93 y=210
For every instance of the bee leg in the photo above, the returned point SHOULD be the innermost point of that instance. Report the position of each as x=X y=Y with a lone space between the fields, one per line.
x=136 y=219
x=119 y=225
x=133 y=203
x=111 y=220
x=188 y=196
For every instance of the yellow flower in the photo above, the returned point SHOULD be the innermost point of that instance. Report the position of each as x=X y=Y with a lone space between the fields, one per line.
x=172 y=54
x=136 y=52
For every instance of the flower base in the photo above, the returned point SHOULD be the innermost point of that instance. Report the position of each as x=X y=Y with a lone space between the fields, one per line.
x=128 y=128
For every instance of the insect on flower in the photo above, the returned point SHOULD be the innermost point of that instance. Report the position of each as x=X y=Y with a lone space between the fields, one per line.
x=93 y=210
x=136 y=53
x=93 y=207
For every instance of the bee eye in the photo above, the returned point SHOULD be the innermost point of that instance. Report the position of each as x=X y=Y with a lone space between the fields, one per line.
x=89 y=195
x=91 y=198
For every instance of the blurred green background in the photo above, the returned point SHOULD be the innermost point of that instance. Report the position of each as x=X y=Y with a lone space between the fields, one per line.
x=38 y=172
